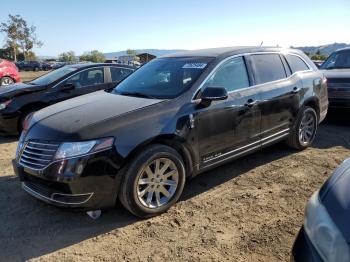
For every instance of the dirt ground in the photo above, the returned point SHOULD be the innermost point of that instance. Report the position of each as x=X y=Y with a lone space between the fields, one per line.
x=247 y=210
x=29 y=75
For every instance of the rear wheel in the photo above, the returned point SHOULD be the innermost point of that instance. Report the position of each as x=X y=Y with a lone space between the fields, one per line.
x=5 y=81
x=305 y=129
x=153 y=182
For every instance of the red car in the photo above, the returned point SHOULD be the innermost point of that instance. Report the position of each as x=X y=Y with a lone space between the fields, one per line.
x=8 y=73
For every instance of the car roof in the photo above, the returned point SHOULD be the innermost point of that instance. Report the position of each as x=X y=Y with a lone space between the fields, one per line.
x=343 y=49
x=228 y=51
x=87 y=65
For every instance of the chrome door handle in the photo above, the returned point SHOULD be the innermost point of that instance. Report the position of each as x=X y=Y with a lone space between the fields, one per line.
x=296 y=90
x=251 y=103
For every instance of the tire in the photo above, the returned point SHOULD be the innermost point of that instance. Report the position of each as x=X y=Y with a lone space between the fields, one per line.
x=23 y=117
x=300 y=141
x=36 y=69
x=5 y=81
x=132 y=191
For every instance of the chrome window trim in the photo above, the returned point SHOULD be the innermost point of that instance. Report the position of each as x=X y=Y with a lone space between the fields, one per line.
x=193 y=100
x=101 y=66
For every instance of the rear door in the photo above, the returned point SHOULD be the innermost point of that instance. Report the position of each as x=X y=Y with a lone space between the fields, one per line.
x=84 y=82
x=228 y=128
x=280 y=94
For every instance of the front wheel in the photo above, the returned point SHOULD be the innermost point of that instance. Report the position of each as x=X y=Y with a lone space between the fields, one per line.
x=5 y=81
x=304 y=132
x=153 y=182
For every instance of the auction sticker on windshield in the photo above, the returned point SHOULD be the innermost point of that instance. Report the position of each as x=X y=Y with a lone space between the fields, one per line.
x=195 y=65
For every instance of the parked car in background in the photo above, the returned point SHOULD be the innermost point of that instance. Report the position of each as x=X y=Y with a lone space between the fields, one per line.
x=337 y=70
x=8 y=73
x=20 y=100
x=57 y=65
x=325 y=235
x=29 y=66
x=175 y=117
x=46 y=66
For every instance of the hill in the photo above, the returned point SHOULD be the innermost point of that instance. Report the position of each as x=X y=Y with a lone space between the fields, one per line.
x=156 y=52
x=324 y=49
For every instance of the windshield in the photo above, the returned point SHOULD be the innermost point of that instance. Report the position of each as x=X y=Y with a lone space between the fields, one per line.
x=163 y=78
x=337 y=60
x=53 y=76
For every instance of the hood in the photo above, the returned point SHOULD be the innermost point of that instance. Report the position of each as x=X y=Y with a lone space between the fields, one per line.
x=335 y=196
x=337 y=73
x=66 y=119
x=11 y=91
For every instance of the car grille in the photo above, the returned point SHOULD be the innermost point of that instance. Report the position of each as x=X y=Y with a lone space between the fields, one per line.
x=38 y=154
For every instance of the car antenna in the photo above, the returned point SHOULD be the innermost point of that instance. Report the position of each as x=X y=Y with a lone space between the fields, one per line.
x=261 y=43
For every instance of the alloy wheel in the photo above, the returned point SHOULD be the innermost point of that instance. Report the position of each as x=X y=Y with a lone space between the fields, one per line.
x=7 y=81
x=157 y=183
x=307 y=128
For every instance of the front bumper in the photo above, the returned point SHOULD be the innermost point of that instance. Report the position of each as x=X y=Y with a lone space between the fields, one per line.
x=339 y=97
x=88 y=182
x=303 y=250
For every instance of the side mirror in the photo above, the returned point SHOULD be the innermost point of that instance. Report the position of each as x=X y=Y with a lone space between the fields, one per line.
x=67 y=87
x=212 y=93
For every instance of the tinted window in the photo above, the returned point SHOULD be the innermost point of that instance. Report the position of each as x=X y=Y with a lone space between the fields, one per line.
x=268 y=68
x=232 y=75
x=337 y=60
x=53 y=75
x=118 y=74
x=296 y=63
x=163 y=78
x=87 y=78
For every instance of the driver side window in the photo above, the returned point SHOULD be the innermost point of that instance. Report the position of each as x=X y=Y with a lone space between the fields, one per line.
x=89 y=77
x=232 y=75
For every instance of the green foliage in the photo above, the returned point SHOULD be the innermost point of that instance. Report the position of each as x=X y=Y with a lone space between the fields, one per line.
x=319 y=57
x=131 y=52
x=68 y=57
x=93 y=56
x=6 y=53
x=19 y=35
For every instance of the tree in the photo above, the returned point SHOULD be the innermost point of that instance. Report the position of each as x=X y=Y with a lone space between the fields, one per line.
x=131 y=52
x=93 y=56
x=19 y=35
x=6 y=53
x=68 y=57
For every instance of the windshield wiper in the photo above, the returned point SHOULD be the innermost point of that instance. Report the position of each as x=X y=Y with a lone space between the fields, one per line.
x=136 y=94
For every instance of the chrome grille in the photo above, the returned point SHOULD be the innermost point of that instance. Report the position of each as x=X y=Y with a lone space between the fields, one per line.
x=38 y=154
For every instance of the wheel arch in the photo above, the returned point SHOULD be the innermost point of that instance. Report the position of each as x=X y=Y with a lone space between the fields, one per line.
x=314 y=103
x=172 y=141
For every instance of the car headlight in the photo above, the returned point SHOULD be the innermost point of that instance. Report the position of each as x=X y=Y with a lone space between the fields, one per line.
x=3 y=105
x=67 y=150
x=323 y=233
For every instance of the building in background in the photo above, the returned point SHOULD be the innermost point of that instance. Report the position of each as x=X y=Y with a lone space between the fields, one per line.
x=145 y=57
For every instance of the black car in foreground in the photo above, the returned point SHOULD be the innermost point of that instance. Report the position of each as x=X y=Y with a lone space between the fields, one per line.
x=20 y=100
x=325 y=235
x=337 y=71
x=175 y=117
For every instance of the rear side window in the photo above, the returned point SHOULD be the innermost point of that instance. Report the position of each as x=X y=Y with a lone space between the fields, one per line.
x=118 y=73
x=267 y=68
x=296 y=63
x=232 y=75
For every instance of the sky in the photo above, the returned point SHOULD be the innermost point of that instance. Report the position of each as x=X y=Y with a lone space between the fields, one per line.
x=114 y=25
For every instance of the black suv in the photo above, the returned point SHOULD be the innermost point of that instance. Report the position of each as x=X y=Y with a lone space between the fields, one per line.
x=29 y=66
x=337 y=71
x=19 y=101
x=175 y=117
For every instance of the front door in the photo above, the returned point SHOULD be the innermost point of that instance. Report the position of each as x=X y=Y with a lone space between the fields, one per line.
x=231 y=127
